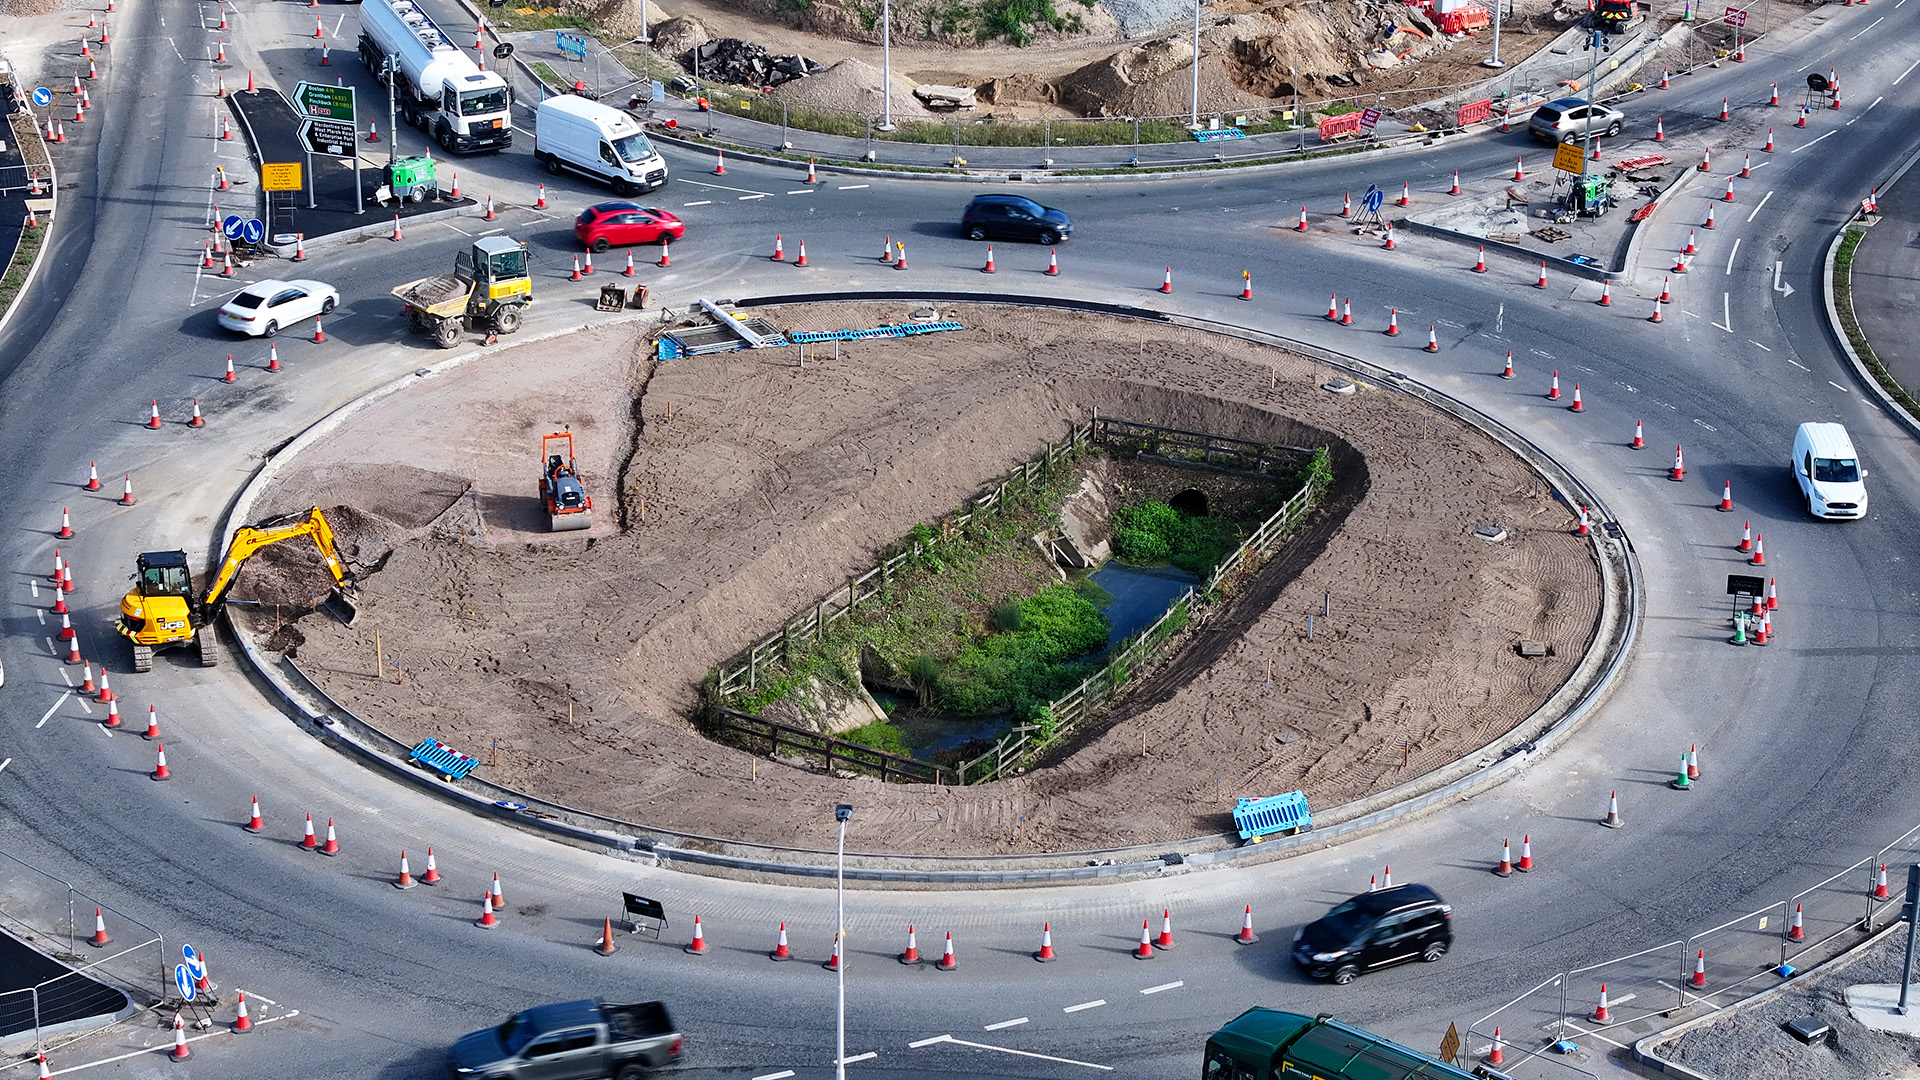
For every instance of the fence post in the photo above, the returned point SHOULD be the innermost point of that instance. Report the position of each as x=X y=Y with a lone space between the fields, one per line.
x=753 y=668
x=852 y=596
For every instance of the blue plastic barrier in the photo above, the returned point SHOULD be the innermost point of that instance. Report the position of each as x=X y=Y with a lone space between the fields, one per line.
x=1260 y=818
x=443 y=759
x=806 y=337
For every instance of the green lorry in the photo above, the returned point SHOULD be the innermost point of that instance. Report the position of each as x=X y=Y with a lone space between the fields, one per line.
x=1268 y=1044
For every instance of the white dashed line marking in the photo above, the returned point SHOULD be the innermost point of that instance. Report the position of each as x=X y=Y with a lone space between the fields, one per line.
x=1006 y=1050
x=744 y=198
x=1175 y=985
x=782 y=1075
x=1731 y=254
x=1798 y=364
x=802 y=191
x=1005 y=1024
x=853 y=187
x=868 y=1056
x=1763 y=202
x=1085 y=1005
x=1757 y=345
x=1916 y=63
x=1837 y=386
x=702 y=202
x=4 y=764
x=1797 y=149
x=1869 y=26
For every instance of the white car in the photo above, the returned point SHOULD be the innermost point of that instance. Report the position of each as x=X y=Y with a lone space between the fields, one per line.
x=264 y=308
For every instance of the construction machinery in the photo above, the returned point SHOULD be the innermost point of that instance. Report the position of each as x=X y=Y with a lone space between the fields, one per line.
x=488 y=287
x=569 y=507
x=161 y=611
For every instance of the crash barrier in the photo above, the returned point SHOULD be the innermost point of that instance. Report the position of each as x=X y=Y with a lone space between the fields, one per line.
x=1260 y=818
x=1712 y=969
x=442 y=759
x=98 y=944
x=835 y=753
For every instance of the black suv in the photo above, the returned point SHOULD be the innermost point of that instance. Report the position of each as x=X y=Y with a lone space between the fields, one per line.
x=1373 y=930
x=1014 y=217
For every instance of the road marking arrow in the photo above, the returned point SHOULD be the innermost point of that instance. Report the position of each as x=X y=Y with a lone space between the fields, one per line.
x=1779 y=286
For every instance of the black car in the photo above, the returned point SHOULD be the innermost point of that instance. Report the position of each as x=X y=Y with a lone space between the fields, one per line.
x=1014 y=217
x=1374 y=930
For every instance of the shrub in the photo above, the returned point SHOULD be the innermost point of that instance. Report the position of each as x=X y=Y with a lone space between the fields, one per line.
x=1018 y=670
x=878 y=735
x=1153 y=532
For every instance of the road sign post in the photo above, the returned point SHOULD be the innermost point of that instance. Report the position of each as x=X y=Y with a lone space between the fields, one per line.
x=1571 y=157
x=1907 y=913
x=280 y=176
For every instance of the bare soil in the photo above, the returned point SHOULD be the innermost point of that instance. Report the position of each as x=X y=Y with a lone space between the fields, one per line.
x=749 y=486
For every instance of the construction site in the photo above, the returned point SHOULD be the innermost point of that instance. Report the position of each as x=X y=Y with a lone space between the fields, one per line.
x=733 y=488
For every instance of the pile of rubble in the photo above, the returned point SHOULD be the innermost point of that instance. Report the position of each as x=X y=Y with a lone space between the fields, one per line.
x=742 y=63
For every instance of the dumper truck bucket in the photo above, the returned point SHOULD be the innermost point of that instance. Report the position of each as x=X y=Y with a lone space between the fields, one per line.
x=343 y=604
x=574 y=522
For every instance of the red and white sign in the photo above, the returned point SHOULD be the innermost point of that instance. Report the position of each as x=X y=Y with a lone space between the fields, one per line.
x=1368 y=118
x=1334 y=127
x=1474 y=112
x=1736 y=17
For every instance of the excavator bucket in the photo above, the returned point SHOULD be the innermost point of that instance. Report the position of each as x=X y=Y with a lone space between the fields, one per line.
x=343 y=604
x=574 y=522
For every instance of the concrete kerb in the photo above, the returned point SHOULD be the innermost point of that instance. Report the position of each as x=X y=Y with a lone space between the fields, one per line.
x=1892 y=407
x=39 y=257
x=1644 y=1054
x=1491 y=764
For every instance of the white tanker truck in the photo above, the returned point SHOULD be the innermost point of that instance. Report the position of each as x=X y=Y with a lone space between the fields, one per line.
x=438 y=87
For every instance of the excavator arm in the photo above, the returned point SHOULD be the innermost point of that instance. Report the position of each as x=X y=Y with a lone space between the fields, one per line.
x=249 y=539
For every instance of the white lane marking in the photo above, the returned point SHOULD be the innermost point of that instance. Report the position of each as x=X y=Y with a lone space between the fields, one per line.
x=1916 y=63
x=782 y=1075
x=42 y=616
x=82 y=699
x=924 y=1042
x=1094 y=1004
x=66 y=678
x=1006 y=1024
x=722 y=187
x=44 y=717
x=801 y=191
x=1726 y=313
x=1797 y=149
x=50 y=647
x=167 y=1047
x=1731 y=254
x=1595 y=1034
x=1757 y=345
x=456 y=228
x=4 y=764
x=1028 y=1054
x=495 y=229
x=1870 y=26
x=1709 y=427
x=1854 y=121
x=1799 y=365
x=1763 y=202
x=702 y=202
x=1175 y=985
x=1757 y=165
x=269 y=1001
x=744 y=198
x=1875 y=101
x=868 y=1056
x=33 y=584
x=853 y=187
x=1621 y=1000
x=1836 y=386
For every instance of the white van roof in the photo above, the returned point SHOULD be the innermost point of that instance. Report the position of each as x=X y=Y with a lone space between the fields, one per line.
x=612 y=120
x=1827 y=440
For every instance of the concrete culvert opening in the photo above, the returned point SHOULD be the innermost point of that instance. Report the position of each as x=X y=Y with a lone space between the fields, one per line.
x=1191 y=501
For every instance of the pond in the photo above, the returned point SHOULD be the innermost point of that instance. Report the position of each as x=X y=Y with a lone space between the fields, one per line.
x=1141 y=594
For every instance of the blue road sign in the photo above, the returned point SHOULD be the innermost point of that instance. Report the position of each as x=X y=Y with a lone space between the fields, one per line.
x=572 y=44
x=194 y=964
x=1375 y=199
x=183 y=981
x=253 y=230
x=230 y=226
x=42 y=96
x=657 y=91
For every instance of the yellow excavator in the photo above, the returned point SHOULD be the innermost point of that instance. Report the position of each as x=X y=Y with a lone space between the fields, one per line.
x=161 y=612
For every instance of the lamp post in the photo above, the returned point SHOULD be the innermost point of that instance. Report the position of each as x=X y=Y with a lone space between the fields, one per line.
x=841 y=814
x=1193 y=113
x=886 y=114
x=1494 y=61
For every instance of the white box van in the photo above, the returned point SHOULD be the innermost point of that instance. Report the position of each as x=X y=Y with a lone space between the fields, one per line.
x=1829 y=471
x=571 y=132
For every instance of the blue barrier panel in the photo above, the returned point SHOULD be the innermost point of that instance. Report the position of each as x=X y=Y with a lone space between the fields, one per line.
x=1258 y=818
x=443 y=759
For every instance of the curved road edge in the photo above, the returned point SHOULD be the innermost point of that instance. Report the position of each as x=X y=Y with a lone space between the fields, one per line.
x=1867 y=376
x=46 y=239
x=1492 y=764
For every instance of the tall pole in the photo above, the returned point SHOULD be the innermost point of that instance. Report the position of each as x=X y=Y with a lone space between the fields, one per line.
x=1193 y=112
x=886 y=83
x=1494 y=61
x=841 y=812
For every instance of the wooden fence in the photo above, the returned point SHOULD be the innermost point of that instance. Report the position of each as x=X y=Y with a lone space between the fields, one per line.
x=833 y=751
x=1195 y=447
x=1020 y=745
x=772 y=652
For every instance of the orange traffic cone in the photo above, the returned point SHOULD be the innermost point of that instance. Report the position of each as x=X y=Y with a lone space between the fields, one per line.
x=605 y=946
x=1045 y=955
x=1145 y=949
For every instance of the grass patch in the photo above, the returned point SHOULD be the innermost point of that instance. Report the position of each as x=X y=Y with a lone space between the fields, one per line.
x=510 y=19
x=1153 y=533
x=879 y=735
x=546 y=73
x=1028 y=662
x=1850 y=325
x=15 y=279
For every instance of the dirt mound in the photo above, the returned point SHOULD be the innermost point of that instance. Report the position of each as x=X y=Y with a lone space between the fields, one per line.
x=850 y=86
x=675 y=36
x=621 y=17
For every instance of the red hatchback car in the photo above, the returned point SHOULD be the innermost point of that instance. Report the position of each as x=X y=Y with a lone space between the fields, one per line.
x=604 y=225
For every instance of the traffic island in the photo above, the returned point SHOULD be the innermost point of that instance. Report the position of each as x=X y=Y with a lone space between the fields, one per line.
x=734 y=487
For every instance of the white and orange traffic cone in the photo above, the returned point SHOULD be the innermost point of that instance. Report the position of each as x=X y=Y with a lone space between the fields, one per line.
x=499 y=900
x=1507 y=372
x=1053 y=262
x=1601 y=1015
x=697 y=946
x=1145 y=949
x=309 y=842
x=332 y=846
x=912 y=953
x=833 y=961
x=432 y=876
x=1726 y=497
x=179 y=1051
x=160 y=763
x=1576 y=406
x=487 y=920
x=1165 y=940
x=99 y=939
x=604 y=946
x=1247 y=936
x=1880 y=891
x=988 y=269
x=1613 y=819
x=153 y=724
x=1679 y=470
x=1433 y=339
x=1393 y=322
x=1166 y=283
x=1505 y=869
x=947 y=962
x=1699 y=980
x=1553 y=388
x=1045 y=955
x=780 y=949
x=1759 y=550
x=1796 y=930
x=405 y=880
x=242 y=1023
x=254 y=824
x=1480 y=264
x=1525 y=865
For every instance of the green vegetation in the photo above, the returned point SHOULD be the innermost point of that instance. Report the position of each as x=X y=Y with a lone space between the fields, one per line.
x=1843 y=304
x=546 y=73
x=21 y=265
x=1151 y=533
x=1030 y=661
x=879 y=735
x=509 y=20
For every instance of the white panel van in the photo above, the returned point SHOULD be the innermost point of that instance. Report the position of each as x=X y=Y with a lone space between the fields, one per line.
x=1829 y=472
x=571 y=132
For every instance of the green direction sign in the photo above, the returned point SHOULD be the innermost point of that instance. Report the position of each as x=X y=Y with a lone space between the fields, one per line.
x=325 y=102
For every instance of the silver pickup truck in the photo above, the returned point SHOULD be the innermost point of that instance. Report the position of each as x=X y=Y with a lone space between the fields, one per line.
x=573 y=1040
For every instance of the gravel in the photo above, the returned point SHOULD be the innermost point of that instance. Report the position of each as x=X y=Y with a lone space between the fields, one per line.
x=1140 y=18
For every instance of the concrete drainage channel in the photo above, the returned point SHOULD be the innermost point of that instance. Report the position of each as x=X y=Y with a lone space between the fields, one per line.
x=1492 y=764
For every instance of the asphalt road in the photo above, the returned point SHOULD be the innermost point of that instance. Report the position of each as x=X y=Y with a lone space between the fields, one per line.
x=1806 y=745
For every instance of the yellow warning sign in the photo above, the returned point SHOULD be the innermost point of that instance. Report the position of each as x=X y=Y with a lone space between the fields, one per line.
x=1570 y=157
x=1450 y=1045
x=280 y=175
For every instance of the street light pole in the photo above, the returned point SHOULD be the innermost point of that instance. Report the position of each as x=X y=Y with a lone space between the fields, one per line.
x=1193 y=112
x=841 y=813
x=886 y=82
x=1494 y=61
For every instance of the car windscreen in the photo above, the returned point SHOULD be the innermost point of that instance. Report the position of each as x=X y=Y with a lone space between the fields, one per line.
x=1836 y=470
x=248 y=300
x=515 y=1034
x=1547 y=113
x=633 y=148
x=1346 y=921
x=481 y=102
